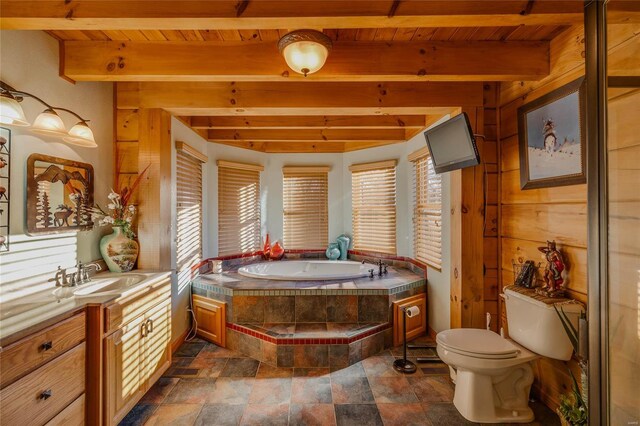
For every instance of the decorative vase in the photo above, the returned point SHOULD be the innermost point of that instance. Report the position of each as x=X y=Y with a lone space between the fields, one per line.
x=266 y=249
x=119 y=251
x=343 y=243
x=277 y=251
x=333 y=252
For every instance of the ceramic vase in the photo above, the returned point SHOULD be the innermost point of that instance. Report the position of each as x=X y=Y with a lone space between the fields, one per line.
x=277 y=251
x=343 y=243
x=118 y=251
x=333 y=252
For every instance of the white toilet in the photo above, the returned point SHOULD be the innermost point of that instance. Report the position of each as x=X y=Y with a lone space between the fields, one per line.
x=493 y=375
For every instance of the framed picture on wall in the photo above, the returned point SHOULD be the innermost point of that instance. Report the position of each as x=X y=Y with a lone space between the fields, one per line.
x=551 y=135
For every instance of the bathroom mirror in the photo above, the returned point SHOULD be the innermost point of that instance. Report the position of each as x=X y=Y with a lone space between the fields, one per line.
x=59 y=195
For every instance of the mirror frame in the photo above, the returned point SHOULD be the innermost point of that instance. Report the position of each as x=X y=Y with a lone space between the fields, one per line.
x=32 y=194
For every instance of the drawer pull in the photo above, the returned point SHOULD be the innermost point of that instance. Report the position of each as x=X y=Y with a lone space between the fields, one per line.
x=143 y=329
x=46 y=346
x=46 y=394
x=149 y=326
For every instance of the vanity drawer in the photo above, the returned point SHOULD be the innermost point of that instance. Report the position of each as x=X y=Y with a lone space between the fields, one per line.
x=131 y=307
x=29 y=353
x=44 y=393
x=73 y=415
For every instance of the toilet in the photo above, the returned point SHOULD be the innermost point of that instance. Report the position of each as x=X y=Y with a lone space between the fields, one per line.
x=493 y=375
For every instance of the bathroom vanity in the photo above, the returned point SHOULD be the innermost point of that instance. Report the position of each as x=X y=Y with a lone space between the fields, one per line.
x=86 y=358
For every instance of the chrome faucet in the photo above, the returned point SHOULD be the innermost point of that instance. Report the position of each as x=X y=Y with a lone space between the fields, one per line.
x=382 y=267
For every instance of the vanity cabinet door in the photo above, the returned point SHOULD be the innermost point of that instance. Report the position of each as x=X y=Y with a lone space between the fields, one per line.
x=157 y=343
x=124 y=356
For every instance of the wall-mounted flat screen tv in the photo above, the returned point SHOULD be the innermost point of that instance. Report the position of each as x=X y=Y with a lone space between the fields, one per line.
x=452 y=144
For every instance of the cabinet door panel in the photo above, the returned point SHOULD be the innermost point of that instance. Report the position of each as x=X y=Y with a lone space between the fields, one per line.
x=157 y=343
x=416 y=325
x=124 y=354
x=211 y=318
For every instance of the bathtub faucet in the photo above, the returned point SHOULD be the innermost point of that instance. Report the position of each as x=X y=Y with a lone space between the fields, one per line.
x=382 y=267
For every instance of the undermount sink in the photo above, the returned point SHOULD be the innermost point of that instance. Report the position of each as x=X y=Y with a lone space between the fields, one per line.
x=112 y=284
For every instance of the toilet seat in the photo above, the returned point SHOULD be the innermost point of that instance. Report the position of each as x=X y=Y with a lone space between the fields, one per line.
x=477 y=343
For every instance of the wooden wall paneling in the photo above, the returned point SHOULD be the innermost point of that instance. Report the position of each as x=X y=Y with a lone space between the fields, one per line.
x=126 y=125
x=472 y=313
x=154 y=218
x=455 y=313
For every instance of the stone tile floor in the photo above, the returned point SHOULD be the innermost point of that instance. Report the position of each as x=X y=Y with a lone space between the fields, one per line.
x=209 y=385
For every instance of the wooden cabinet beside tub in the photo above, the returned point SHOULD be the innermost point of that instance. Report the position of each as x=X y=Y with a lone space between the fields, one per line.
x=43 y=376
x=211 y=319
x=137 y=348
x=416 y=325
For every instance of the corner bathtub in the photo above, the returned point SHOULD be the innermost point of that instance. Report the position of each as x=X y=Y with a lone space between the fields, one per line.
x=306 y=270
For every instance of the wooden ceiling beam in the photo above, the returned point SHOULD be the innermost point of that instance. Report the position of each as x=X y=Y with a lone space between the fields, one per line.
x=304 y=147
x=300 y=98
x=305 y=122
x=278 y=14
x=308 y=135
x=348 y=61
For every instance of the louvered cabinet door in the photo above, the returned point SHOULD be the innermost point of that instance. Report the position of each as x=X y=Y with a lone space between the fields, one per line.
x=124 y=356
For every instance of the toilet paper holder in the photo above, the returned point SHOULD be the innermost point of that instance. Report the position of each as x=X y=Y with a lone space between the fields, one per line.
x=404 y=365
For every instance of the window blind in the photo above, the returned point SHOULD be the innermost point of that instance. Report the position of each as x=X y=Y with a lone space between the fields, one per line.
x=427 y=210
x=305 y=207
x=373 y=195
x=238 y=207
x=189 y=208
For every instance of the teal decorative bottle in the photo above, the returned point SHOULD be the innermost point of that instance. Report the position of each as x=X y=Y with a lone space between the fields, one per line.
x=343 y=242
x=118 y=251
x=333 y=252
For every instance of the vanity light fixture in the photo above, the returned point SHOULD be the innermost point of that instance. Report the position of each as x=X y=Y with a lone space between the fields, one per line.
x=47 y=122
x=305 y=51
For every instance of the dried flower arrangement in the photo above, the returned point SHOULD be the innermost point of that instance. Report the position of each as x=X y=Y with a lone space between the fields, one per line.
x=120 y=211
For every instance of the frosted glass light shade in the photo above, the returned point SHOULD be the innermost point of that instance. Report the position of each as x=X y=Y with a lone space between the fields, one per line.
x=11 y=112
x=49 y=123
x=81 y=135
x=305 y=51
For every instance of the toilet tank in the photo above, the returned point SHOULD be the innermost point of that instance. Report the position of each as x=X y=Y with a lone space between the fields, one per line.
x=536 y=325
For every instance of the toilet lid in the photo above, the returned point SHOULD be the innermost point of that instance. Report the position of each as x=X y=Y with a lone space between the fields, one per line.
x=477 y=342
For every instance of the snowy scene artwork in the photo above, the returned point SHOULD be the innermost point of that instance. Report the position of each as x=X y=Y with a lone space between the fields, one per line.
x=551 y=134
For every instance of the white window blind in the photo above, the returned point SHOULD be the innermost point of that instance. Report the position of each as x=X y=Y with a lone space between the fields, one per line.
x=427 y=210
x=373 y=194
x=305 y=207
x=189 y=208
x=238 y=207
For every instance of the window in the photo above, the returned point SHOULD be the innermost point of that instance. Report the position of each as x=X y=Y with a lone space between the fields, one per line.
x=189 y=209
x=373 y=196
x=427 y=210
x=238 y=207
x=305 y=204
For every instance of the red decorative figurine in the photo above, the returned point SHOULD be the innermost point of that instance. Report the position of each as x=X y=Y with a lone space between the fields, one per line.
x=553 y=281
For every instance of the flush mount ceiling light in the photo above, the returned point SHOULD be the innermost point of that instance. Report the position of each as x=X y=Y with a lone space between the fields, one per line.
x=47 y=122
x=305 y=50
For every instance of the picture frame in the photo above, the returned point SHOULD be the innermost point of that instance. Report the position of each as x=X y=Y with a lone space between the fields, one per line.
x=551 y=135
x=5 y=188
x=59 y=195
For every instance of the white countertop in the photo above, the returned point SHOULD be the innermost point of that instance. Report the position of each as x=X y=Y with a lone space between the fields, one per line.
x=27 y=312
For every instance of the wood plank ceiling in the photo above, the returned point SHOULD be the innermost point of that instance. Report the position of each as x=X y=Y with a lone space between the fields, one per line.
x=406 y=48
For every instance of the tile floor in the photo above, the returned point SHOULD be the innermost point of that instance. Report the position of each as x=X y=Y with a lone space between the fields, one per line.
x=209 y=385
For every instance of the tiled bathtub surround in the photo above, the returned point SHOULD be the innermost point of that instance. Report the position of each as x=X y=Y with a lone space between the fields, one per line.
x=308 y=323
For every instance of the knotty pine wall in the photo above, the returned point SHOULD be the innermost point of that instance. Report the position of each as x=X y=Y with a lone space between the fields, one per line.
x=529 y=218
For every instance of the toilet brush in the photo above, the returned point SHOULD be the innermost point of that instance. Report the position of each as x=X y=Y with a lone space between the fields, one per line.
x=404 y=365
